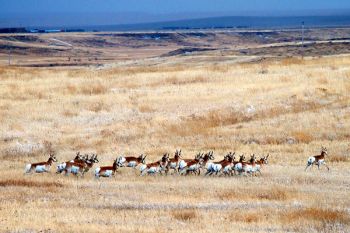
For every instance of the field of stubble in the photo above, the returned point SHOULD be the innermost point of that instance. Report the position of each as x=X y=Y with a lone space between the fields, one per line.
x=288 y=108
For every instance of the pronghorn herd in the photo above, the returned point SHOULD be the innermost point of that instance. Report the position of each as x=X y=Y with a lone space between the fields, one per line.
x=228 y=166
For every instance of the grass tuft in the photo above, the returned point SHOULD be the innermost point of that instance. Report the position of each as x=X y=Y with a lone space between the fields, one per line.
x=26 y=183
x=318 y=215
x=184 y=215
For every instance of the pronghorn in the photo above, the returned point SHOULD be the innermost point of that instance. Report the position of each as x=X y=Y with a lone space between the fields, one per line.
x=156 y=167
x=132 y=161
x=183 y=162
x=107 y=171
x=174 y=162
x=41 y=167
x=227 y=164
x=248 y=167
x=78 y=158
x=208 y=156
x=318 y=159
x=224 y=165
x=80 y=167
x=238 y=166
x=193 y=166
x=260 y=163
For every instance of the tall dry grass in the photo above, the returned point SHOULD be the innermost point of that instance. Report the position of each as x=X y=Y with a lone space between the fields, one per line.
x=288 y=108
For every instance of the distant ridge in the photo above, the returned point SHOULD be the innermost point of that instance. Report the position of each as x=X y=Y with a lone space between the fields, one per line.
x=251 y=22
x=254 y=22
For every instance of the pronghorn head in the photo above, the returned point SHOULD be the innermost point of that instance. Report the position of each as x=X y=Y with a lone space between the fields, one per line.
x=178 y=154
x=93 y=159
x=143 y=159
x=198 y=156
x=78 y=156
x=229 y=156
x=165 y=159
x=52 y=157
x=119 y=161
x=85 y=157
x=200 y=160
x=226 y=157
x=252 y=158
x=211 y=155
x=242 y=158
x=324 y=150
x=116 y=162
x=264 y=160
x=233 y=155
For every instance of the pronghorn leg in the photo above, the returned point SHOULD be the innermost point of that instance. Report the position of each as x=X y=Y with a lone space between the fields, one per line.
x=143 y=172
x=326 y=165
x=181 y=172
x=307 y=166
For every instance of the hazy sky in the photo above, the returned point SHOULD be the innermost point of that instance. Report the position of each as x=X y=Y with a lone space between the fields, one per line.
x=80 y=12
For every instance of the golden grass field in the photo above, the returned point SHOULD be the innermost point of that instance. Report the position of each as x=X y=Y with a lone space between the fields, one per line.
x=287 y=107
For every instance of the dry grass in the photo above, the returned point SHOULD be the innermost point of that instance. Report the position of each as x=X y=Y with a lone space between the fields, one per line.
x=338 y=158
x=288 y=108
x=28 y=183
x=273 y=193
x=184 y=215
x=302 y=137
x=317 y=214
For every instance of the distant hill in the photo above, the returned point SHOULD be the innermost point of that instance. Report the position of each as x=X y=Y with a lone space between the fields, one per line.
x=233 y=22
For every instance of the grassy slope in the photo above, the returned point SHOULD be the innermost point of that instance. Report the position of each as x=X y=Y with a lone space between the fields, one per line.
x=248 y=108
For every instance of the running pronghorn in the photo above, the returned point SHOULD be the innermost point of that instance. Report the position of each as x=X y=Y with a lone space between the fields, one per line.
x=318 y=159
x=193 y=166
x=260 y=163
x=41 y=167
x=248 y=167
x=107 y=171
x=183 y=162
x=208 y=156
x=132 y=161
x=227 y=164
x=224 y=165
x=80 y=167
x=238 y=166
x=156 y=167
x=78 y=158
x=174 y=162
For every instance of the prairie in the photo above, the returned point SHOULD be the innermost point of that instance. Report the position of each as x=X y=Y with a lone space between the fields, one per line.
x=287 y=107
